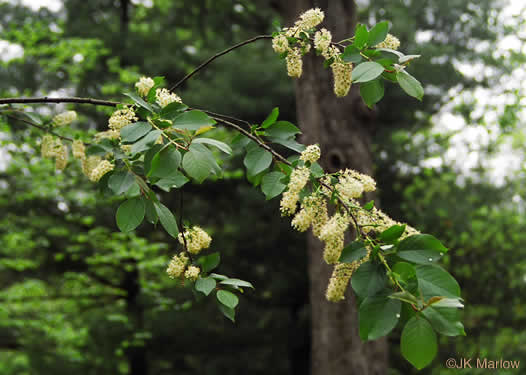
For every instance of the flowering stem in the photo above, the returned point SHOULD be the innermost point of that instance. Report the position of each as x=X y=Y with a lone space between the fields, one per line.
x=41 y=128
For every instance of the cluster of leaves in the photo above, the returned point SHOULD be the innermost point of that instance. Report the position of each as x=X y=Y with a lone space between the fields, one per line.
x=426 y=297
x=375 y=65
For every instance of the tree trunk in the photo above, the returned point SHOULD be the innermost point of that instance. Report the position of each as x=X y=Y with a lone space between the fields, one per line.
x=342 y=127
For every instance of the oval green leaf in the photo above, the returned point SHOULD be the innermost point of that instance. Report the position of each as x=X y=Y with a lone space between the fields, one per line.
x=366 y=71
x=227 y=298
x=418 y=342
x=130 y=214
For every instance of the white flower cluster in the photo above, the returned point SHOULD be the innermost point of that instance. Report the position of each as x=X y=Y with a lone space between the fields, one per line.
x=313 y=212
x=64 y=118
x=177 y=265
x=280 y=43
x=322 y=41
x=298 y=179
x=165 y=97
x=390 y=42
x=196 y=239
x=351 y=184
x=108 y=134
x=120 y=118
x=310 y=19
x=294 y=63
x=79 y=150
x=311 y=154
x=52 y=147
x=341 y=72
x=340 y=278
x=192 y=273
x=100 y=170
x=333 y=233
x=61 y=157
x=144 y=85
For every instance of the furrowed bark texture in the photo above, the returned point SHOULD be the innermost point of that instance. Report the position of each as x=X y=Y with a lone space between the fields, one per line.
x=342 y=127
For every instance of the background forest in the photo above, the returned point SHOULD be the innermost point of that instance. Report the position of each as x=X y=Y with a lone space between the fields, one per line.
x=78 y=296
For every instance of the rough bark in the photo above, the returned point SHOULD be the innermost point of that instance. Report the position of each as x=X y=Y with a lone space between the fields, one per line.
x=342 y=127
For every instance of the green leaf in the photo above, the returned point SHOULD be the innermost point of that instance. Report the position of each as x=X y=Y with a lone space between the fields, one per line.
x=405 y=270
x=366 y=71
x=391 y=234
x=205 y=285
x=354 y=251
x=167 y=219
x=288 y=143
x=228 y=312
x=444 y=321
x=132 y=132
x=361 y=36
x=120 y=182
x=209 y=262
x=151 y=214
x=435 y=281
x=257 y=160
x=130 y=214
x=165 y=163
x=146 y=142
x=197 y=163
x=351 y=54
x=172 y=110
x=227 y=298
x=418 y=342
x=372 y=92
x=378 y=33
x=271 y=118
x=237 y=282
x=421 y=249
x=282 y=130
x=138 y=100
x=271 y=184
x=410 y=84
x=176 y=180
x=378 y=316
x=218 y=276
x=213 y=142
x=193 y=120
x=369 y=205
x=369 y=279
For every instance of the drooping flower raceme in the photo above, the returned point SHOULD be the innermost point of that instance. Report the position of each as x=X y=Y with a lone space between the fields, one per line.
x=341 y=72
x=165 y=97
x=332 y=234
x=144 y=85
x=100 y=170
x=64 y=118
x=294 y=63
x=61 y=156
x=340 y=277
x=79 y=150
x=120 y=118
x=177 y=265
x=196 y=239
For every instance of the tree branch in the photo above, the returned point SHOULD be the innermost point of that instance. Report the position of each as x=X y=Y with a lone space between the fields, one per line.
x=45 y=99
x=41 y=128
x=204 y=64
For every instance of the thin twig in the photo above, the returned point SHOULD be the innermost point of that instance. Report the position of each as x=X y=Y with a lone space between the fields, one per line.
x=252 y=137
x=248 y=41
x=46 y=99
x=41 y=128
